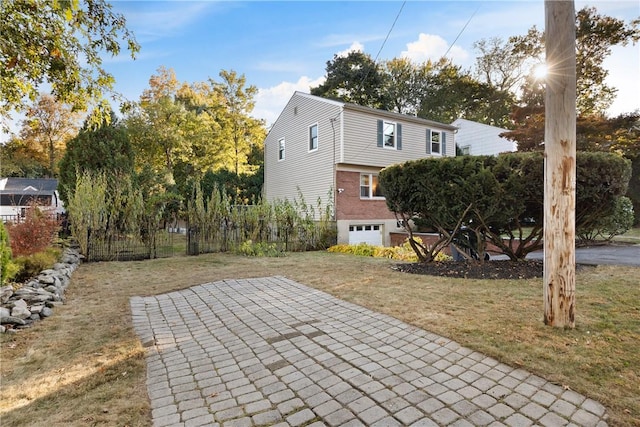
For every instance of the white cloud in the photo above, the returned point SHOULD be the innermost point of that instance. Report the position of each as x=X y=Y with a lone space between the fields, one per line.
x=355 y=47
x=271 y=101
x=429 y=46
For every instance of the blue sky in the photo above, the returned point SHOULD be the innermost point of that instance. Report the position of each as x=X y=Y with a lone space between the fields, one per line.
x=284 y=46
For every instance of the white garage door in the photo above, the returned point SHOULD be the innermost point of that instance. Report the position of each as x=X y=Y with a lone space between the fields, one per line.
x=371 y=234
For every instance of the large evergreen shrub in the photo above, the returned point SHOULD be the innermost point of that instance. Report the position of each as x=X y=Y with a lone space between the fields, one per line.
x=498 y=198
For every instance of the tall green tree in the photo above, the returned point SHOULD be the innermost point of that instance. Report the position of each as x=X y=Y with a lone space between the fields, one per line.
x=58 y=43
x=103 y=149
x=451 y=93
x=241 y=133
x=405 y=84
x=354 y=78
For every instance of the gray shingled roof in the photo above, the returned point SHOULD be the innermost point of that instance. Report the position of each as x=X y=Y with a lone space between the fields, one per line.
x=30 y=185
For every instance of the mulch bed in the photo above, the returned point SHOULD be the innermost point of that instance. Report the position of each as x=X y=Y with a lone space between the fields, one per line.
x=476 y=270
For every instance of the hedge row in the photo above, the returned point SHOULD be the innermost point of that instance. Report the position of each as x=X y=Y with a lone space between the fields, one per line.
x=498 y=197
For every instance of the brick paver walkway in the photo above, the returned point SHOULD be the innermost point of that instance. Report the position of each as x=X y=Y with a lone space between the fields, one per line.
x=273 y=352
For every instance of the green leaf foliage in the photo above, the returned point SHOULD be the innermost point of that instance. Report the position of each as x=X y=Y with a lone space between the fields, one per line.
x=103 y=149
x=499 y=198
x=61 y=43
x=7 y=267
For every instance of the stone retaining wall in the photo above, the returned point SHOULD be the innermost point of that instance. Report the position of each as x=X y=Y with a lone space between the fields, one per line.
x=35 y=300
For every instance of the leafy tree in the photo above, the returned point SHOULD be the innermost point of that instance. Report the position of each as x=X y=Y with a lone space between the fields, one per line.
x=155 y=126
x=104 y=149
x=241 y=132
x=500 y=65
x=47 y=128
x=60 y=43
x=405 y=84
x=354 y=78
x=182 y=130
x=20 y=159
x=451 y=93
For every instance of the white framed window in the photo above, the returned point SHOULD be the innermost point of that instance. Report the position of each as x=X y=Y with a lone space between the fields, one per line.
x=313 y=137
x=370 y=187
x=436 y=142
x=281 y=149
x=389 y=135
x=466 y=150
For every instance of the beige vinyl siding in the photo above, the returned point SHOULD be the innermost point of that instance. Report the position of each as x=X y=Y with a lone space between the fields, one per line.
x=360 y=140
x=311 y=172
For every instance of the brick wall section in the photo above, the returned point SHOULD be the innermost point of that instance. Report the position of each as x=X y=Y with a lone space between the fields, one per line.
x=398 y=239
x=349 y=205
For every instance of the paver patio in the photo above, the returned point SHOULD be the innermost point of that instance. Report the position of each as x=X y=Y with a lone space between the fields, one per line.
x=273 y=352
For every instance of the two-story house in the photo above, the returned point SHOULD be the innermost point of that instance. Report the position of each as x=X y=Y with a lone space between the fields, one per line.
x=322 y=148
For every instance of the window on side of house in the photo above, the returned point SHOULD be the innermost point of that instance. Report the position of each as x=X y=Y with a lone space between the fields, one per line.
x=281 y=149
x=370 y=187
x=389 y=135
x=313 y=137
x=436 y=142
x=466 y=150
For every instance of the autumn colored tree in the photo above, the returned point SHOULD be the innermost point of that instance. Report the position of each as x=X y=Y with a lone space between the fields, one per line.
x=47 y=128
x=19 y=159
x=60 y=43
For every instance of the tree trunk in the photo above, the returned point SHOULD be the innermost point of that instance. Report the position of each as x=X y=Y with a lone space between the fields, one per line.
x=560 y=165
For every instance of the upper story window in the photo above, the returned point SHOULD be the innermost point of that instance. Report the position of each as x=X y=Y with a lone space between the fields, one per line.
x=313 y=137
x=389 y=135
x=370 y=187
x=281 y=149
x=436 y=142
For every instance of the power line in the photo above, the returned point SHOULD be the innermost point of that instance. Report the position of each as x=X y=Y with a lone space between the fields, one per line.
x=461 y=31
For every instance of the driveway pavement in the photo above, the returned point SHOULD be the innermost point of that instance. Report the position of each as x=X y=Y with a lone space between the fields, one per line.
x=273 y=352
x=598 y=255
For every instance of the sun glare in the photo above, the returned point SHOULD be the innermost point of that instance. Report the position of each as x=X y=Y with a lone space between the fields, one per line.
x=540 y=71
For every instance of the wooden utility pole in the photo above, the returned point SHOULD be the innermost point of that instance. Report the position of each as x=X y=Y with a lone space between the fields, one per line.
x=560 y=165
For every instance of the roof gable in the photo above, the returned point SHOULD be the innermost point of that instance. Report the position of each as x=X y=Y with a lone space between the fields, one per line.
x=369 y=110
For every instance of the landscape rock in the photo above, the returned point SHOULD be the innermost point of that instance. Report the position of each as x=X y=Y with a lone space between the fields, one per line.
x=10 y=320
x=20 y=310
x=37 y=298
x=5 y=294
